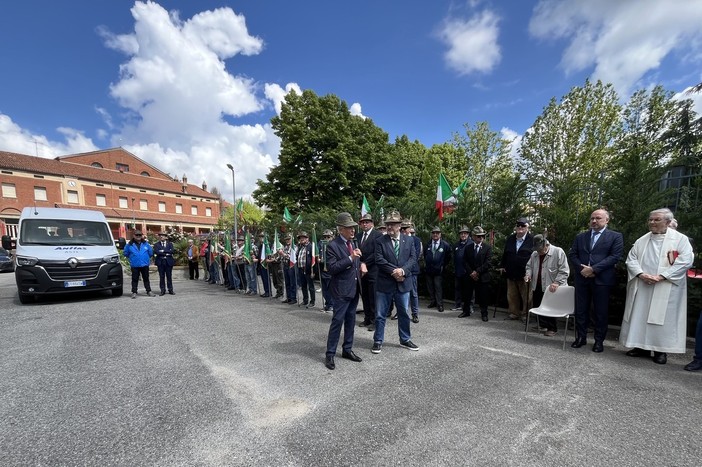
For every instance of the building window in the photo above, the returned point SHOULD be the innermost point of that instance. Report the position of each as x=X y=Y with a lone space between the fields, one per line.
x=8 y=190
x=96 y=165
x=161 y=206
x=208 y=212
x=193 y=210
x=143 y=205
x=123 y=202
x=40 y=193
x=122 y=167
x=73 y=196
x=100 y=200
x=145 y=173
x=179 y=208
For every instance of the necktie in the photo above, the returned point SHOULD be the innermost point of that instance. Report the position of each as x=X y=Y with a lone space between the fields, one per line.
x=477 y=249
x=595 y=237
x=365 y=236
x=433 y=247
x=164 y=244
x=350 y=247
x=396 y=246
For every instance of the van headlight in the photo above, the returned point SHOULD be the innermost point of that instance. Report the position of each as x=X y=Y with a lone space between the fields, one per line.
x=27 y=260
x=112 y=259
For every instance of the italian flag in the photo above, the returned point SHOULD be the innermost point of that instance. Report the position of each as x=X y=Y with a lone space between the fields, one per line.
x=443 y=194
x=365 y=207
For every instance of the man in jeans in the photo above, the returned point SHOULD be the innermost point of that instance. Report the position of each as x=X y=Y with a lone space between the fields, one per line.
x=395 y=258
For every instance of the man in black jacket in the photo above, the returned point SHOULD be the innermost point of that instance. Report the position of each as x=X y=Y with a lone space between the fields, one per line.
x=437 y=255
x=365 y=240
x=477 y=263
x=517 y=252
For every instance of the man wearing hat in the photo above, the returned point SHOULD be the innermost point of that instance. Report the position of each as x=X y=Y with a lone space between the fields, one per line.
x=275 y=270
x=437 y=255
x=304 y=267
x=381 y=228
x=163 y=257
x=407 y=228
x=365 y=239
x=344 y=267
x=461 y=276
x=477 y=263
x=239 y=264
x=395 y=258
x=261 y=270
x=287 y=255
x=139 y=253
x=518 y=248
x=322 y=246
x=193 y=253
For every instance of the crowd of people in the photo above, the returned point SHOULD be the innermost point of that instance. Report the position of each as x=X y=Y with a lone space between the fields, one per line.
x=379 y=267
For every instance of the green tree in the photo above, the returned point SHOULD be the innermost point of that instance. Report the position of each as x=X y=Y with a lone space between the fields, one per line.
x=564 y=155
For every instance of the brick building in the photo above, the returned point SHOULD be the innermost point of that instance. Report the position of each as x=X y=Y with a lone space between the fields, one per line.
x=130 y=192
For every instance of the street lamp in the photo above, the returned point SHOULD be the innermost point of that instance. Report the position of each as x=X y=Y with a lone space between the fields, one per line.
x=236 y=227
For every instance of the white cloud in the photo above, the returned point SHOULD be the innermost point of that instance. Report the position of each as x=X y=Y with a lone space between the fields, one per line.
x=622 y=40
x=16 y=139
x=515 y=140
x=355 y=109
x=277 y=94
x=472 y=44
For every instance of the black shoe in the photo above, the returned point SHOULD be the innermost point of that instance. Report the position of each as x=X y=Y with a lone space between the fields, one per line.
x=485 y=318
x=162 y=294
x=441 y=309
x=637 y=352
x=579 y=342
x=311 y=305
x=464 y=315
x=694 y=365
x=351 y=356
x=660 y=357
x=364 y=324
x=597 y=347
x=415 y=318
x=394 y=317
x=409 y=345
x=377 y=347
x=329 y=363
x=170 y=292
x=265 y=295
x=358 y=312
x=292 y=301
x=432 y=305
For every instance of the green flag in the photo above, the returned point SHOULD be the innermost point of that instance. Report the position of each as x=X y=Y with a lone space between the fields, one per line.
x=247 y=247
x=228 y=243
x=265 y=251
x=276 y=242
x=457 y=192
x=240 y=208
x=287 y=217
x=365 y=207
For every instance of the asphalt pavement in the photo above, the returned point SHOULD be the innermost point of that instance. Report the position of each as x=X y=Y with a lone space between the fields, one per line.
x=207 y=377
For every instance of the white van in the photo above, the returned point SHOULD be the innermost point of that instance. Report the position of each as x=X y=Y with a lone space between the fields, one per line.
x=65 y=250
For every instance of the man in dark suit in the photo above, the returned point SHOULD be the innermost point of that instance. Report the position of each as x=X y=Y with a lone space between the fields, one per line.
x=515 y=256
x=594 y=255
x=395 y=258
x=163 y=257
x=477 y=264
x=344 y=267
x=459 y=251
x=365 y=239
x=305 y=275
x=437 y=254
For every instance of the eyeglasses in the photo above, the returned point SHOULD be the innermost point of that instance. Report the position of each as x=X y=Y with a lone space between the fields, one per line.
x=521 y=225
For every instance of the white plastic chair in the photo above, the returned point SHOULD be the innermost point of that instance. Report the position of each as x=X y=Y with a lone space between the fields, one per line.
x=558 y=304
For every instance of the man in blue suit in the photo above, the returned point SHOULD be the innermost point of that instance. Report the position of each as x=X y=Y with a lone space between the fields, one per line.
x=163 y=257
x=344 y=267
x=593 y=256
x=395 y=258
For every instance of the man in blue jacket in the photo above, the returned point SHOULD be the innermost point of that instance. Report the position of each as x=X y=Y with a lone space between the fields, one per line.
x=344 y=267
x=395 y=259
x=139 y=254
x=437 y=255
x=594 y=255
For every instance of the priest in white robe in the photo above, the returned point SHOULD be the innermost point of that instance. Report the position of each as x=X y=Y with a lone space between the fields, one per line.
x=655 y=315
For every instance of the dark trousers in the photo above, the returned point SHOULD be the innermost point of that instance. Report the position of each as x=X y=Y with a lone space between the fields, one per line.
x=240 y=275
x=266 y=284
x=307 y=286
x=586 y=293
x=290 y=283
x=544 y=321
x=326 y=292
x=165 y=277
x=436 y=289
x=482 y=295
x=368 y=298
x=275 y=270
x=194 y=269
x=144 y=272
x=344 y=314
x=698 y=339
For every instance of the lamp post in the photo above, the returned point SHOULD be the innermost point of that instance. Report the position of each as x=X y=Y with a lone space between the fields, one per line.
x=236 y=227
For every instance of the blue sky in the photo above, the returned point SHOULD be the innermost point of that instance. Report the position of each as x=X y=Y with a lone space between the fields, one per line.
x=191 y=85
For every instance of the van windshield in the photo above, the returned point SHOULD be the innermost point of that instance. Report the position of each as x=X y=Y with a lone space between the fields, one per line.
x=64 y=232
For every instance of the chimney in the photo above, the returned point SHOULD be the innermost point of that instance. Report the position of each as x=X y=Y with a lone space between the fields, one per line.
x=185 y=183
x=204 y=185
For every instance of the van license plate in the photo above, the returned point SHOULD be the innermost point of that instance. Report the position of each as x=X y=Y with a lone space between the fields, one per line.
x=74 y=284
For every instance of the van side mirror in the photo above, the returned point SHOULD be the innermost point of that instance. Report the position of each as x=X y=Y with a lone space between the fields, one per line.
x=7 y=243
x=121 y=243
